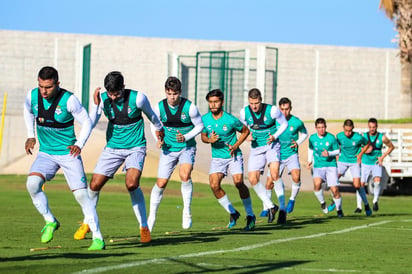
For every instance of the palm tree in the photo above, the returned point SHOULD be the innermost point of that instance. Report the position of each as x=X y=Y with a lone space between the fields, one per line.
x=400 y=11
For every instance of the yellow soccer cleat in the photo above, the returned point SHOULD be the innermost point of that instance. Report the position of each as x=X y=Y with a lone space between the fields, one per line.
x=80 y=234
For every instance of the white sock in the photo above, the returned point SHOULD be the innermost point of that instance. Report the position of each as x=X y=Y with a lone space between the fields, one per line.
x=338 y=203
x=155 y=198
x=187 y=191
x=89 y=212
x=280 y=192
x=261 y=193
x=247 y=204
x=34 y=187
x=376 y=191
x=295 y=190
x=319 y=195
x=139 y=206
x=94 y=196
x=226 y=204
x=358 y=200
x=269 y=194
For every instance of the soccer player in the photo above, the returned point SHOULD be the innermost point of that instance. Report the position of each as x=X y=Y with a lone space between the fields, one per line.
x=322 y=152
x=126 y=144
x=352 y=147
x=53 y=110
x=261 y=119
x=181 y=122
x=289 y=140
x=220 y=128
x=372 y=160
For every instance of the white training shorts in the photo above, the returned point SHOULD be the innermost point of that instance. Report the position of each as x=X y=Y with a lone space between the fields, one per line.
x=169 y=160
x=353 y=167
x=327 y=174
x=366 y=170
x=47 y=165
x=111 y=159
x=292 y=162
x=234 y=164
x=260 y=156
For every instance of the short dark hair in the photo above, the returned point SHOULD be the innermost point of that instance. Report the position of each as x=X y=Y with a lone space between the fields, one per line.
x=47 y=73
x=215 y=93
x=173 y=83
x=320 y=121
x=114 y=81
x=373 y=120
x=255 y=93
x=284 y=101
x=348 y=123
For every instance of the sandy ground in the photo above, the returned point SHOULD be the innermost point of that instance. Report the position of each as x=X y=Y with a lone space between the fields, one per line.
x=97 y=141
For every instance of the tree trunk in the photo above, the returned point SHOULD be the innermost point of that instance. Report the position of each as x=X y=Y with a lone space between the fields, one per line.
x=406 y=90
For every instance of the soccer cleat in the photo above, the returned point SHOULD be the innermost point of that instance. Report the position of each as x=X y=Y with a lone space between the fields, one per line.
x=250 y=223
x=48 y=231
x=290 y=206
x=81 y=232
x=358 y=210
x=368 y=210
x=150 y=223
x=264 y=213
x=332 y=206
x=272 y=213
x=145 y=235
x=97 y=244
x=281 y=217
x=186 y=221
x=324 y=208
x=375 y=206
x=233 y=219
x=340 y=213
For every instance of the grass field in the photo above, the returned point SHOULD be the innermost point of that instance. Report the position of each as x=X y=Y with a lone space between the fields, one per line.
x=310 y=242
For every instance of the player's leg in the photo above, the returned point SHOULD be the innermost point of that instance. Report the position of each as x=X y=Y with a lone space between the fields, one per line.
x=42 y=170
x=377 y=177
x=296 y=184
x=187 y=161
x=279 y=190
x=319 y=175
x=167 y=164
x=332 y=183
x=356 y=175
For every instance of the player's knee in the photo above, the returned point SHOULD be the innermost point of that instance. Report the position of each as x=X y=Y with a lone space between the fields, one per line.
x=34 y=184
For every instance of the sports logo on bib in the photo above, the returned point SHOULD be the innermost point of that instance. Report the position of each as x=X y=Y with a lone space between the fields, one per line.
x=183 y=117
x=58 y=110
x=41 y=120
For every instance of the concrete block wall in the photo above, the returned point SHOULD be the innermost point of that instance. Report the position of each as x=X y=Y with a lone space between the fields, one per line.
x=333 y=82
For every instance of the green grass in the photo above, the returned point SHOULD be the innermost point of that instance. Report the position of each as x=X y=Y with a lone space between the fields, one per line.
x=309 y=242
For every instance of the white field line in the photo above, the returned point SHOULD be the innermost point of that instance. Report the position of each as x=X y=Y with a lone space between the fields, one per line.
x=212 y=252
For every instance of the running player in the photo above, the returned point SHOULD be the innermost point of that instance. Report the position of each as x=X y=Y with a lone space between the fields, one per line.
x=181 y=122
x=261 y=120
x=220 y=129
x=322 y=152
x=53 y=110
x=126 y=144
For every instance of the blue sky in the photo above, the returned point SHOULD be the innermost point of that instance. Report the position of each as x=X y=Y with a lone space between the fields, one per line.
x=320 y=22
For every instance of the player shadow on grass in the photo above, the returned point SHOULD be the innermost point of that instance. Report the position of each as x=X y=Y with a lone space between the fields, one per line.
x=243 y=269
x=71 y=255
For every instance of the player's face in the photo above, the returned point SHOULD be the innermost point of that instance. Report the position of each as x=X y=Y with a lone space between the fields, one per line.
x=321 y=129
x=115 y=95
x=372 y=128
x=348 y=130
x=48 y=88
x=173 y=97
x=285 y=109
x=255 y=104
x=215 y=104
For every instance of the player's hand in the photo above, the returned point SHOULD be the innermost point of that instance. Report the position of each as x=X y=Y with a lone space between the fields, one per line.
x=380 y=161
x=250 y=137
x=358 y=159
x=160 y=134
x=309 y=165
x=232 y=149
x=74 y=150
x=325 y=153
x=29 y=145
x=160 y=143
x=271 y=139
x=213 y=137
x=96 y=96
x=179 y=137
x=294 y=144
